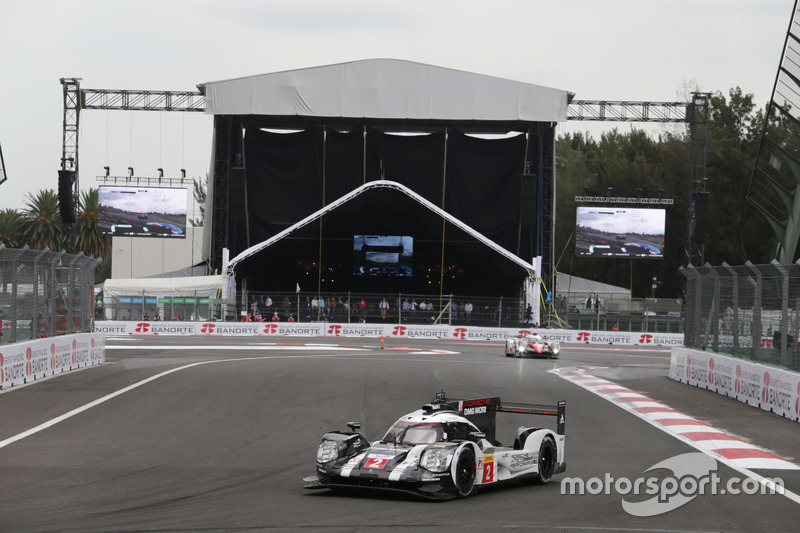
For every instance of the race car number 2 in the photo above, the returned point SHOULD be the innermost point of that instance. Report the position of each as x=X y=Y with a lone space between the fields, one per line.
x=375 y=462
x=488 y=469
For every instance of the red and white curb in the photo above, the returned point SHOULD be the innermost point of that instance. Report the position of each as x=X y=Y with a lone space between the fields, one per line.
x=725 y=447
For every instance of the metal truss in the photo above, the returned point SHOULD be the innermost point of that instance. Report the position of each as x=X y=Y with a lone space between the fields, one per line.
x=600 y=110
x=127 y=100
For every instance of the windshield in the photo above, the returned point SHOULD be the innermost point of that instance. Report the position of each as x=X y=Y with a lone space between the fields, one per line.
x=414 y=433
x=534 y=339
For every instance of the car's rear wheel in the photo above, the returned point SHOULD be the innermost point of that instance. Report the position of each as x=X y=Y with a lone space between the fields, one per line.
x=465 y=473
x=547 y=461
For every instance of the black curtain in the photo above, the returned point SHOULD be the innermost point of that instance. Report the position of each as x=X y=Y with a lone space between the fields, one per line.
x=483 y=185
x=413 y=160
x=284 y=179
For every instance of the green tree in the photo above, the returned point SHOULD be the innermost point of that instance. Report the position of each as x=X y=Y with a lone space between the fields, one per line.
x=43 y=221
x=200 y=193
x=736 y=231
x=87 y=236
x=12 y=225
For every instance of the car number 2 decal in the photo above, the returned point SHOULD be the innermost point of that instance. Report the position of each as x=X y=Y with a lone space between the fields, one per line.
x=375 y=462
x=488 y=469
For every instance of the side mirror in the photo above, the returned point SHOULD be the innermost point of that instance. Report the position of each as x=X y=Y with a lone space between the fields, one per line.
x=354 y=426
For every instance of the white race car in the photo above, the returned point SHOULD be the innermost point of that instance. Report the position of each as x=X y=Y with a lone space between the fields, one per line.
x=445 y=450
x=532 y=345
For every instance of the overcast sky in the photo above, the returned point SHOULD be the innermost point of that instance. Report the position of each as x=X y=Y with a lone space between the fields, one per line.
x=612 y=49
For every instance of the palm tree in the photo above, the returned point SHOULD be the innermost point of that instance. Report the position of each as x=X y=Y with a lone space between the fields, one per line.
x=43 y=221
x=87 y=235
x=12 y=224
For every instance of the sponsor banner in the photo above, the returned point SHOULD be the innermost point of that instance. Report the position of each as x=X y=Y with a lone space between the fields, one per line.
x=769 y=388
x=28 y=361
x=400 y=331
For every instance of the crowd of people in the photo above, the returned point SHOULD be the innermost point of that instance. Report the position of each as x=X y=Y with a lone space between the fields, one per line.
x=262 y=308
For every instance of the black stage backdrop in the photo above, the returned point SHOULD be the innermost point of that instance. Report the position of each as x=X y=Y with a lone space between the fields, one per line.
x=286 y=182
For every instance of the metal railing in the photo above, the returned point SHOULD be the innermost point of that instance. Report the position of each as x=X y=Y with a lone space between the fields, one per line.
x=749 y=311
x=44 y=293
x=601 y=311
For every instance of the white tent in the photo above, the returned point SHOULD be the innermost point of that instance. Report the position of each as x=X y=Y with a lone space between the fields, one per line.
x=200 y=286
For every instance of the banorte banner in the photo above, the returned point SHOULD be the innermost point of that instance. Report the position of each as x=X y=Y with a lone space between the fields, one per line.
x=766 y=387
x=406 y=331
x=24 y=362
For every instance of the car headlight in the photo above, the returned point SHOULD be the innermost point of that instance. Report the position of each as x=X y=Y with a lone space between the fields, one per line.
x=435 y=459
x=328 y=451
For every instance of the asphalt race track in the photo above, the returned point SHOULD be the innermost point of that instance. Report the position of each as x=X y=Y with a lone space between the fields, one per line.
x=224 y=445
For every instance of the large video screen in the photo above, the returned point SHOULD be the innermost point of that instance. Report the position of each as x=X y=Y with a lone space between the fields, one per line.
x=620 y=232
x=383 y=255
x=142 y=211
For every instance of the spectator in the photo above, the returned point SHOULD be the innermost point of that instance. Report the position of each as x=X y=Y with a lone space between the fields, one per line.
x=468 y=310
x=383 y=306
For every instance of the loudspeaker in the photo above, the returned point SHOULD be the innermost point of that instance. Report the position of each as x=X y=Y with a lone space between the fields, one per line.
x=66 y=198
x=699 y=224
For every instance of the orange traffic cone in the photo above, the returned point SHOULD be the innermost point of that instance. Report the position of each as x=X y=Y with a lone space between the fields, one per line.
x=381 y=342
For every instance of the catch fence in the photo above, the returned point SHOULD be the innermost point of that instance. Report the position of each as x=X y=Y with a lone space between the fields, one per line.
x=749 y=311
x=44 y=293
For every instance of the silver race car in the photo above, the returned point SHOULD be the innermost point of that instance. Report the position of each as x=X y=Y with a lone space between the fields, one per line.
x=532 y=345
x=445 y=450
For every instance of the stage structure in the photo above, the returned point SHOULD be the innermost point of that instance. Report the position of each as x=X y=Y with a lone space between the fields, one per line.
x=289 y=144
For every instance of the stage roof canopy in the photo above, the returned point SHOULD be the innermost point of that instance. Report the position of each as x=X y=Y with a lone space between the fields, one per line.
x=388 y=90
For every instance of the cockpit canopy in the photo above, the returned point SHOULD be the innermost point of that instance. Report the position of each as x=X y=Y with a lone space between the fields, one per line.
x=411 y=433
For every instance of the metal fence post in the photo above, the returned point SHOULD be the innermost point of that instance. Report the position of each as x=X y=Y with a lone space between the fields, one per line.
x=734 y=305
x=757 y=300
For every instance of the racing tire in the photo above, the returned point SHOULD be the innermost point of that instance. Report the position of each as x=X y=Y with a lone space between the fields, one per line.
x=547 y=462
x=465 y=474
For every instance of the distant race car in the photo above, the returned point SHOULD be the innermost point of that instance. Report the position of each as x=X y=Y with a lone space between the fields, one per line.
x=445 y=450
x=532 y=345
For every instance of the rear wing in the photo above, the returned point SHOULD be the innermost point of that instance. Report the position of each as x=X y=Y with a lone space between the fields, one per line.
x=483 y=411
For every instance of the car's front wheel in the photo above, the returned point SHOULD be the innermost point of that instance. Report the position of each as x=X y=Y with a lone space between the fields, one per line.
x=465 y=473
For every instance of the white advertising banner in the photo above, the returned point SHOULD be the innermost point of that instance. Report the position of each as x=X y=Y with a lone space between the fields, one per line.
x=408 y=331
x=24 y=362
x=769 y=388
